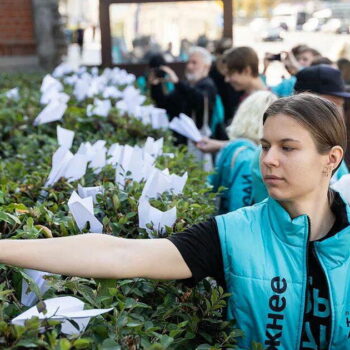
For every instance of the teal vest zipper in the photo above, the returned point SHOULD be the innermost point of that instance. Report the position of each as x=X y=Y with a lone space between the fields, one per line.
x=305 y=282
x=329 y=294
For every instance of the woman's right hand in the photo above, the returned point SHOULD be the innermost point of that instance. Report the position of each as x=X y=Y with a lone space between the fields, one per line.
x=208 y=145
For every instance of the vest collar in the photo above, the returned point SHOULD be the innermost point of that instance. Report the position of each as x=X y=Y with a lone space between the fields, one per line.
x=335 y=250
x=291 y=231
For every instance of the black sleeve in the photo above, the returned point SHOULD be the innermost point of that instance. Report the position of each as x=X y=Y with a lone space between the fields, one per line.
x=194 y=94
x=200 y=247
x=157 y=94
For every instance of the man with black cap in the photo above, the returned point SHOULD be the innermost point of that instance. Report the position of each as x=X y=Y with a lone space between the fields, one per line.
x=327 y=81
x=323 y=80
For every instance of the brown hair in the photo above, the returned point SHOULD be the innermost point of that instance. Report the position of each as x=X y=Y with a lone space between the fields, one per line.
x=239 y=58
x=304 y=49
x=320 y=116
x=296 y=49
x=321 y=60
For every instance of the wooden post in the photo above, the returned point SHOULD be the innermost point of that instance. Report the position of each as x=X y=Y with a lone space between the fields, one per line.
x=228 y=19
x=106 y=38
x=105 y=25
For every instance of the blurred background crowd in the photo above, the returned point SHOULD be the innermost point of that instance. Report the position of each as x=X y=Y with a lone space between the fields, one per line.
x=185 y=63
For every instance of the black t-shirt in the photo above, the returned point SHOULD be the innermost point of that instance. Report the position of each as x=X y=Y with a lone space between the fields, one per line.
x=317 y=318
x=200 y=248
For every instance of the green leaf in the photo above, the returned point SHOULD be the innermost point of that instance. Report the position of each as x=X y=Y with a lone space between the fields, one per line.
x=64 y=344
x=82 y=343
x=110 y=344
x=133 y=324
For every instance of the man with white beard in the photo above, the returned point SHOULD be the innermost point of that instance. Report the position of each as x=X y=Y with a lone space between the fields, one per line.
x=195 y=96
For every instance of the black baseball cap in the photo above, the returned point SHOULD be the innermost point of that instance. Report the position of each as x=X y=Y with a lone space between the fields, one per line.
x=321 y=79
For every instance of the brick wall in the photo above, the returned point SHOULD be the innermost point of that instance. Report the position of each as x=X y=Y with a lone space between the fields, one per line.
x=16 y=28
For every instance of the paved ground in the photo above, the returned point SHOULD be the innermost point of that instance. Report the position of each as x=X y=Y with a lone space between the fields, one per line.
x=19 y=64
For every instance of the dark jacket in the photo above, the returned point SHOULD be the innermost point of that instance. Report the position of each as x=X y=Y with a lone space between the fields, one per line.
x=229 y=96
x=189 y=100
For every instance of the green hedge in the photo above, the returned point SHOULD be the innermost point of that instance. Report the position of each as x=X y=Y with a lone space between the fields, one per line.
x=147 y=314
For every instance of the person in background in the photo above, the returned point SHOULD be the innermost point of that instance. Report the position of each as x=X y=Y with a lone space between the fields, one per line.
x=195 y=95
x=168 y=53
x=155 y=62
x=347 y=121
x=344 y=67
x=233 y=163
x=326 y=82
x=185 y=47
x=229 y=96
x=299 y=57
x=80 y=38
x=323 y=80
x=241 y=70
x=323 y=60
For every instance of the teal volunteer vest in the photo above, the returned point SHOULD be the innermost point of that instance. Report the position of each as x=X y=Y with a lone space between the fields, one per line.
x=264 y=255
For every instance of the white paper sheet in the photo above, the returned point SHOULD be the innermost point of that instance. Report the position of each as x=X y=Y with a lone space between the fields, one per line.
x=185 y=126
x=114 y=154
x=96 y=86
x=158 y=219
x=119 y=76
x=60 y=160
x=65 y=164
x=94 y=71
x=131 y=100
x=63 y=69
x=100 y=108
x=159 y=119
x=29 y=298
x=90 y=151
x=52 y=112
x=98 y=161
x=161 y=181
x=134 y=160
x=90 y=191
x=49 y=83
x=76 y=167
x=154 y=148
x=52 y=95
x=81 y=87
x=13 y=94
x=98 y=156
x=71 y=80
x=112 y=92
x=63 y=309
x=82 y=210
x=343 y=187
x=65 y=137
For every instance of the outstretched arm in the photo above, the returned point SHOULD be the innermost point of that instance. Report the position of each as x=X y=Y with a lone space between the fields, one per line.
x=97 y=255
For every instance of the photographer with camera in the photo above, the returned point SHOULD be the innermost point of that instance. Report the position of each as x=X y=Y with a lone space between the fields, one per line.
x=195 y=96
x=299 y=57
x=156 y=60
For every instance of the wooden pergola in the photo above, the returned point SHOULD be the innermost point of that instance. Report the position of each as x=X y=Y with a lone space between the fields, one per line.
x=106 y=38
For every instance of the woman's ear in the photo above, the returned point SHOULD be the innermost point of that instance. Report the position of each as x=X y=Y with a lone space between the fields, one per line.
x=335 y=156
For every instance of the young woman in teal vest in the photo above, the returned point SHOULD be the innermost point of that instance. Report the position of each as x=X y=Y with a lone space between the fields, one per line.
x=233 y=163
x=285 y=261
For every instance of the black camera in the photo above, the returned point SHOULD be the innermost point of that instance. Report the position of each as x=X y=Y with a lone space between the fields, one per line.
x=159 y=73
x=276 y=57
